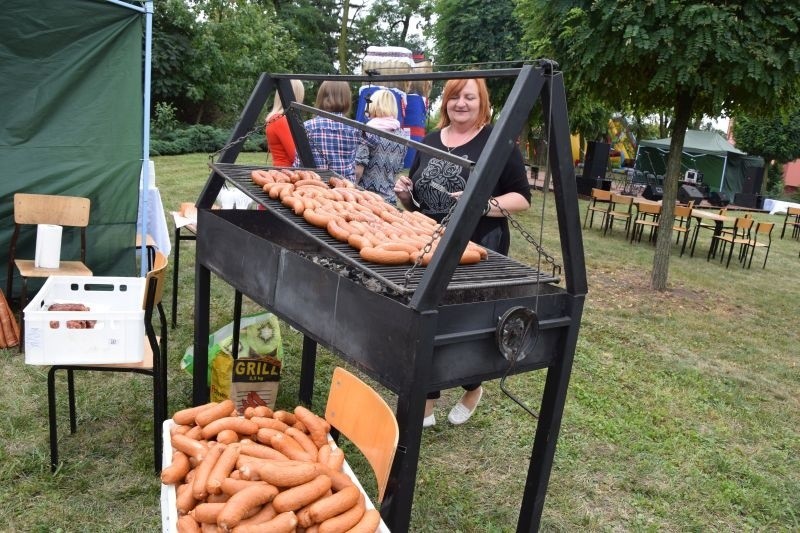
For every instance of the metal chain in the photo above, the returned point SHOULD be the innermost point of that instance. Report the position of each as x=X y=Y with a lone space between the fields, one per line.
x=437 y=232
x=556 y=268
x=255 y=129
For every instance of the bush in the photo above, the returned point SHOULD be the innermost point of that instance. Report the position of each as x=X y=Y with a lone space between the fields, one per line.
x=198 y=138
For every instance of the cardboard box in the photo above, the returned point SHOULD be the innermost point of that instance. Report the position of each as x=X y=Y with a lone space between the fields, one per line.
x=113 y=329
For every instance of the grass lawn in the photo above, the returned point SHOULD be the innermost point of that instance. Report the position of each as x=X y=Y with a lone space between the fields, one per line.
x=682 y=413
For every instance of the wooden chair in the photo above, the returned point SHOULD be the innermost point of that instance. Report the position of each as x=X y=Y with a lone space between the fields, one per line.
x=792 y=219
x=705 y=226
x=31 y=210
x=599 y=202
x=737 y=236
x=621 y=207
x=648 y=216
x=762 y=231
x=682 y=224
x=154 y=365
x=356 y=411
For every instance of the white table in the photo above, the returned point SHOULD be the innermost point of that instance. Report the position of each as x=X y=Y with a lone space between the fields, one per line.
x=777 y=206
x=156 y=221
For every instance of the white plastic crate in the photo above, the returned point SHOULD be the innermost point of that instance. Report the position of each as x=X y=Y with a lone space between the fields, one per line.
x=169 y=509
x=115 y=306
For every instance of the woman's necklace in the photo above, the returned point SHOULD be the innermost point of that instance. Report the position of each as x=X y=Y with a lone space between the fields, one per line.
x=457 y=144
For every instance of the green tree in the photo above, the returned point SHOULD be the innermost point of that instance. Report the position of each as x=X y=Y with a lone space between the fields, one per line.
x=392 y=23
x=209 y=54
x=476 y=31
x=314 y=26
x=237 y=43
x=174 y=28
x=691 y=57
x=776 y=139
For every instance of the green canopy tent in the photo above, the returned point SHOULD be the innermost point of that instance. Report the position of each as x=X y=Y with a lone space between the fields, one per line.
x=73 y=80
x=724 y=167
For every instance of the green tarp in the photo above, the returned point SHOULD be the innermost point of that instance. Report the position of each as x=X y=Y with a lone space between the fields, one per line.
x=71 y=87
x=724 y=167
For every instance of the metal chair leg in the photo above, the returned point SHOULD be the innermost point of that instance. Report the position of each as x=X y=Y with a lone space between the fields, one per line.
x=51 y=412
x=73 y=425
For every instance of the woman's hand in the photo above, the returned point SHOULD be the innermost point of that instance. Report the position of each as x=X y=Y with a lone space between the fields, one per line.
x=402 y=188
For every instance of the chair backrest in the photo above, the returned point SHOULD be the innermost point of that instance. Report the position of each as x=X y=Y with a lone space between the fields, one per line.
x=361 y=415
x=765 y=228
x=792 y=211
x=622 y=200
x=51 y=209
x=601 y=194
x=159 y=272
x=742 y=225
x=647 y=208
x=683 y=211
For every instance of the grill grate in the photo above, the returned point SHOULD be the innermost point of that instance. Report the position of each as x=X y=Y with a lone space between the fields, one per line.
x=497 y=271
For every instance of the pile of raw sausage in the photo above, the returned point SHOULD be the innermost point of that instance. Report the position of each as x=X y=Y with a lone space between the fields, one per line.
x=264 y=471
x=71 y=324
x=380 y=232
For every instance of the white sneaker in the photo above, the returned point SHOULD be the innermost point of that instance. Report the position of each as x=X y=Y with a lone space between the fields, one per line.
x=460 y=413
x=429 y=421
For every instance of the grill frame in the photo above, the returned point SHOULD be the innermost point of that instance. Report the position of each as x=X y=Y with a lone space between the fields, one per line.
x=425 y=340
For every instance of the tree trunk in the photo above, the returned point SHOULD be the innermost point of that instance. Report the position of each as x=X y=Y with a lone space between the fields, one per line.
x=343 y=69
x=683 y=112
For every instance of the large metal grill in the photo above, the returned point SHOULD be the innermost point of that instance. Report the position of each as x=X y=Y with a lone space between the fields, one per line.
x=430 y=329
x=495 y=272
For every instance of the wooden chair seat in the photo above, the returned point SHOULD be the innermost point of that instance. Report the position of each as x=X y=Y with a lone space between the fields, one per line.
x=28 y=269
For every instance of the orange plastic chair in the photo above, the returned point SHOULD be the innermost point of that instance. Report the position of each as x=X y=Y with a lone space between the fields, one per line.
x=363 y=417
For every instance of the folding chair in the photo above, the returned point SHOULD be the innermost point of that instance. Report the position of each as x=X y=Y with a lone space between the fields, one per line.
x=154 y=365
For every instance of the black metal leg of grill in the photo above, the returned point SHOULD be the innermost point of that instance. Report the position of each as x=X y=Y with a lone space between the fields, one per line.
x=51 y=412
x=202 y=305
x=73 y=425
x=175 y=269
x=547 y=429
x=307 y=367
x=237 y=322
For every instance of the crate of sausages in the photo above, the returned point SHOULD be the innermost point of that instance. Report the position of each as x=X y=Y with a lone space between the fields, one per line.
x=86 y=320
